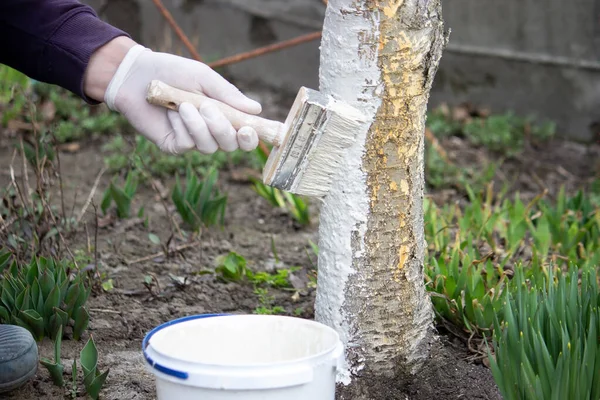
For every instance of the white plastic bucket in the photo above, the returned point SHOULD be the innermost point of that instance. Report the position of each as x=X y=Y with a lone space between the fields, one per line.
x=249 y=357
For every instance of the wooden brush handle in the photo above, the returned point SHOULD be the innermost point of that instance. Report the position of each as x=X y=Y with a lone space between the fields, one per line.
x=161 y=94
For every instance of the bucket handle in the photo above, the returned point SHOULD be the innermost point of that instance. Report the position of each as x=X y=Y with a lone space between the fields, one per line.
x=161 y=368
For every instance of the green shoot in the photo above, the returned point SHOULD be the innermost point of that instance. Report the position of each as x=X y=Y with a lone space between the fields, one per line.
x=93 y=379
x=55 y=368
x=231 y=267
x=200 y=204
x=122 y=196
x=44 y=297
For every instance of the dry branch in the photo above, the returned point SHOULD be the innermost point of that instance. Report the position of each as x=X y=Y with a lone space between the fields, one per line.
x=91 y=195
x=178 y=31
x=265 y=50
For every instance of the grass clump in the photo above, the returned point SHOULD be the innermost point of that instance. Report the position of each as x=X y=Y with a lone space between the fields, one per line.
x=474 y=251
x=200 y=203
x=296 y=205
x=547 y=346
x=44 y=296
x=122 y=196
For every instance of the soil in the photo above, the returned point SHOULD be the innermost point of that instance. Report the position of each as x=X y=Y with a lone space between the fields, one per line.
x=122 y=316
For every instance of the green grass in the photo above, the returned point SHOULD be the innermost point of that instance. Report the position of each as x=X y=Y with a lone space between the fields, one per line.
x=439 y=173
x=547 y=346
x=121 y=196
x=296 y=206
x=473 y=251
x=199 y=201
x=504 y=134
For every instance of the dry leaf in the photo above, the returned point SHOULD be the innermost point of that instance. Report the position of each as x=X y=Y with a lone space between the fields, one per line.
x=70 y=147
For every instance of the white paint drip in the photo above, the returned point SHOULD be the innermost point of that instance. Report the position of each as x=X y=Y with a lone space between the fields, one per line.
x=348 y=72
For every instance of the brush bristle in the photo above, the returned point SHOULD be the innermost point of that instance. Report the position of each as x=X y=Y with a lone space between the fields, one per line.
x=323 y=164
x=319 y=129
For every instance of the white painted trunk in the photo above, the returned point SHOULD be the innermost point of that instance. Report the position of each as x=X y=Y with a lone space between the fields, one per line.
x=381 y=58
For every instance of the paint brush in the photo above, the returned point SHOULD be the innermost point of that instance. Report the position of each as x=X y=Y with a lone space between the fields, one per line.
x=307 y=147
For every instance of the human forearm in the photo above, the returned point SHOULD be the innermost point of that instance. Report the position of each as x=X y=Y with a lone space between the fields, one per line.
x=102 y=66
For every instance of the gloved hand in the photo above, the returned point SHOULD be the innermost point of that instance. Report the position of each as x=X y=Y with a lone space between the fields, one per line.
x=175 y=132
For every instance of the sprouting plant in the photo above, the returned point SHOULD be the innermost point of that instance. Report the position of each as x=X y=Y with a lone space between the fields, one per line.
x=294 y=204
x=474 y=250
x=231 y=267
x=55 y=368
x=200 y=204
x=39 y=150
x=266 y=303
x=44 y=297
x=298 y=207
x=547 y=346
x=468 y=294
x=122 y=196
x=279 y=279
x=93 y=379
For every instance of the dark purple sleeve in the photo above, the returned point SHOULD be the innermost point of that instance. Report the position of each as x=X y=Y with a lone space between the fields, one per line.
x=52 y=40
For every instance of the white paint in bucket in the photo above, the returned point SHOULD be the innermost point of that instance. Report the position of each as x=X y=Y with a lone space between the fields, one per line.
x=249 y=357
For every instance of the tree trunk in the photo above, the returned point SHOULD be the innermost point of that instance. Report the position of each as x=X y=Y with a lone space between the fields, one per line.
x=381 y=57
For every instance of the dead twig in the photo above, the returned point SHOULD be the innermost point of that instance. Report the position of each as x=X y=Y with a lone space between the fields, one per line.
x=96 y=239
x=149 y=285
x=25 y=175
x=264 y=50
x=60 y=183
x=155 y=187
x=91 y=195
x=6 y=224
x=104 y=310
x=58 y=230
x=87 y=239
x=16 y=185
x=169 y=252
x=166 y=207
x=178 y=31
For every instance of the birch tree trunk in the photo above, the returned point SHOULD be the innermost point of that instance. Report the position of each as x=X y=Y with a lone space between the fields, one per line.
x=380 y=56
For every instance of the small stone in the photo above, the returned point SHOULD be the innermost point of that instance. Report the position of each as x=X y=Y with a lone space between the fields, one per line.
x=297 y=282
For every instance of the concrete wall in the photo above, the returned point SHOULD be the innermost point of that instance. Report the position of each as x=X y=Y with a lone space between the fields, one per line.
x=535 y=57
x=530 y=56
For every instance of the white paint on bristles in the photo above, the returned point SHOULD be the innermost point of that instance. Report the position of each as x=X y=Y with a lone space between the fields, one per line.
x=323 y=164
x=348 y=72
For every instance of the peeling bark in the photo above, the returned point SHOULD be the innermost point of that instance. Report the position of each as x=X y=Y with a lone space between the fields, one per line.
x=380 y=56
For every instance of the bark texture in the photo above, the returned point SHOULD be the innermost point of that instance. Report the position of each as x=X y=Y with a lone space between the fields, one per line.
x=373 y=218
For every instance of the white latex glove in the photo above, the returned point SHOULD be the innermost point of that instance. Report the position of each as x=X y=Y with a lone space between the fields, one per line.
x=175 y=132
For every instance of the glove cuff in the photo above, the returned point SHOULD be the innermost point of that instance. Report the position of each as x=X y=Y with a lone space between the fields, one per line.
x=121 y=75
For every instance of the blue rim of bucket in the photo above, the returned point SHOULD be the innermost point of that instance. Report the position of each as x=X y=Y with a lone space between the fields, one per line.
x=161 y=368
